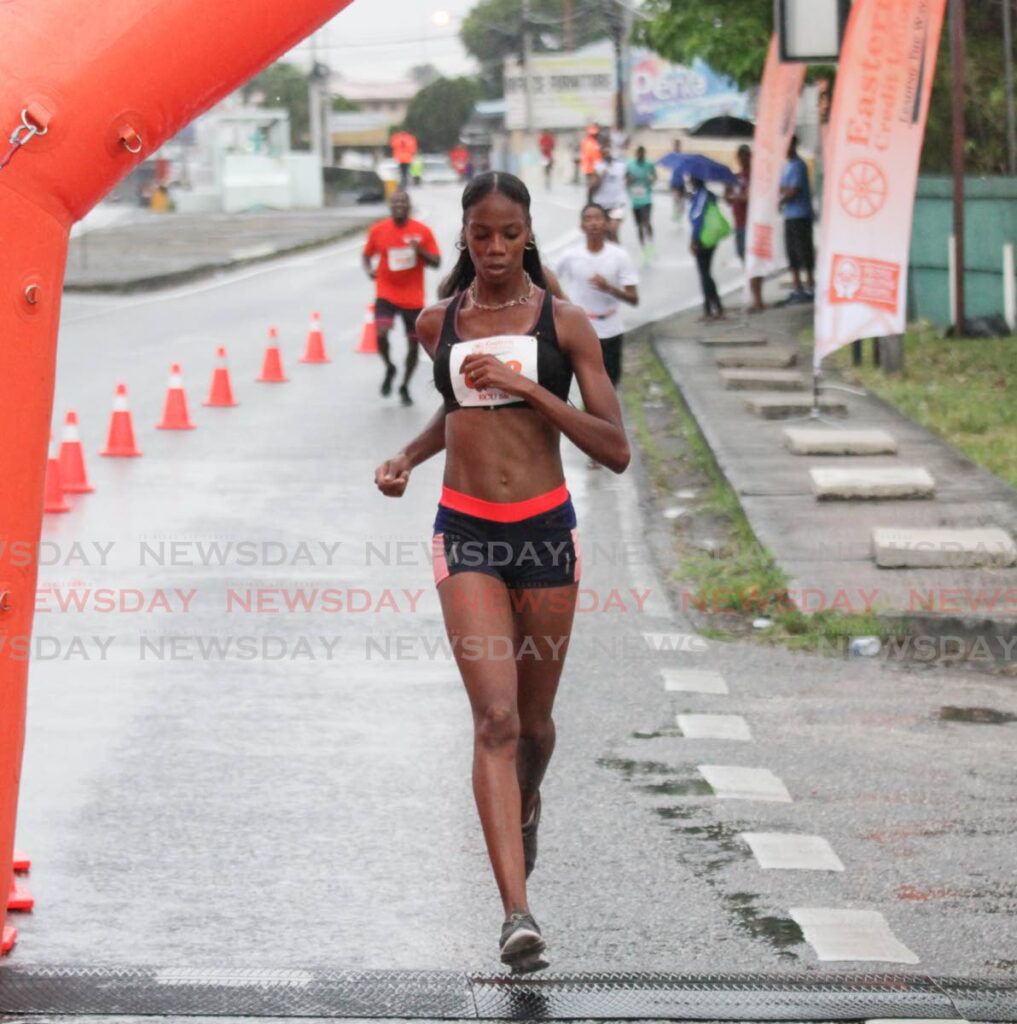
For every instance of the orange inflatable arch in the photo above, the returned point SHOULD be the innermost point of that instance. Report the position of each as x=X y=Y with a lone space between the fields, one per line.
x=89 y=90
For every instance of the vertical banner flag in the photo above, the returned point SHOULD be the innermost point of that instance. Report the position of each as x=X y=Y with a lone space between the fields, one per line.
x=880 y=103
x=775 y=124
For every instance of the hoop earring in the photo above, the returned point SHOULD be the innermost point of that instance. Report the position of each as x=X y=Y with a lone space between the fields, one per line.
x=461 y=245
x=531 y=244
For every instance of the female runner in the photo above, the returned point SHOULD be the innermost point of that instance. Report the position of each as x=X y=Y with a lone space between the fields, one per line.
x=506 y=557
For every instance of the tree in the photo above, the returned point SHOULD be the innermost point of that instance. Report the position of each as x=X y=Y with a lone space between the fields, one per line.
x=732 y=37
x=438 y=112
x=493 y=30
x=341 y=105
x=424 y=74
x=283 y=85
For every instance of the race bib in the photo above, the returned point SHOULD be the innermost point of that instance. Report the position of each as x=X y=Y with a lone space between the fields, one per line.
x=638 y=191
x=402 y=259
x=517 y=351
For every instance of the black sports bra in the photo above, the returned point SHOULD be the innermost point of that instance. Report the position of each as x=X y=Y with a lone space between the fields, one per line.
x=535 y=355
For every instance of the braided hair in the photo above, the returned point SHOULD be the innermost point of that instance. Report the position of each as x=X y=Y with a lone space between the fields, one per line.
x=508 y=185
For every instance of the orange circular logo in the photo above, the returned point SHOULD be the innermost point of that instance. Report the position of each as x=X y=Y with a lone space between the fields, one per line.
x=514 y=364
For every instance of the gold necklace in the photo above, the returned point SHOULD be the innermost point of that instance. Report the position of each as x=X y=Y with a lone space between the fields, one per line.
x=521 y=301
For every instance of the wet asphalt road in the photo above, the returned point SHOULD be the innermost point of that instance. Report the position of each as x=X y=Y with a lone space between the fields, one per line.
x=239 y=784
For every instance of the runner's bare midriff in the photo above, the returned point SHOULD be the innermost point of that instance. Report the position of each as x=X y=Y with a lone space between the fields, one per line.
x=501 y=454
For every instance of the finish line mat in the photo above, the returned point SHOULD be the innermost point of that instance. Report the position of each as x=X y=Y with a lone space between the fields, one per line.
x=239 y=992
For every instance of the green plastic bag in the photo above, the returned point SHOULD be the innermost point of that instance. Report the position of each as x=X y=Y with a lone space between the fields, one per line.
x=715 y=226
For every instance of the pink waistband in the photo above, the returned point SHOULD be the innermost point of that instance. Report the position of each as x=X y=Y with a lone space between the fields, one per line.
x=503 y=511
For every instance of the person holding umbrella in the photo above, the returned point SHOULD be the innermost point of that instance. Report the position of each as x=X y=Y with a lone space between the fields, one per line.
x=708 y=229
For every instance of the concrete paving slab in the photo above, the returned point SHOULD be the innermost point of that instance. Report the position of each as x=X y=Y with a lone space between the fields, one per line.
x=763 y=380
x=831 y=483
x=782 y=407
x=727 y=340
x=894 y=547
x=826 y=547
x=759 y=357
x=826 y=441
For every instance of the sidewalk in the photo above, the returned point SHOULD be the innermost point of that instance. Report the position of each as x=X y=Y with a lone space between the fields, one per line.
x=160 y=250
x=826 y=546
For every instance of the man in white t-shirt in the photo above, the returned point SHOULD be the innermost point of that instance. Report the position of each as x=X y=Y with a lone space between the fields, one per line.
x=598 y=274
x=610 y=189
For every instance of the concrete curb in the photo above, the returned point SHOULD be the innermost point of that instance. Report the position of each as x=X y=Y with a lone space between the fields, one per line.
x=201 y=271
x=970 y=629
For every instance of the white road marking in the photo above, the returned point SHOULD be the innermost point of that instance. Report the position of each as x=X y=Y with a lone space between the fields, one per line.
x=714 y=727
x=734 y=782
x=789 y=851
x=691 y=680
x=851 y=935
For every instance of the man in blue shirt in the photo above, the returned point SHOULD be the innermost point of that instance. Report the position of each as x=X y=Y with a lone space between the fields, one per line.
x=796 y=205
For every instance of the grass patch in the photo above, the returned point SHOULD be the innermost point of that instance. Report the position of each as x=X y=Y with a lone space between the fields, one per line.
x=738 y=574
x=963 y=390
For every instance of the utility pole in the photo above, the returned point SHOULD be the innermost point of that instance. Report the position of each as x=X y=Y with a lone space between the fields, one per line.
x=957 y=47
x=617 y=14
x=1011 y=121
x=567 y=40
x=527 y=64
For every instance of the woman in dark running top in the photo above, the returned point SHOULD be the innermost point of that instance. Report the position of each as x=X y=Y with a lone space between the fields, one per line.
x=506 y=553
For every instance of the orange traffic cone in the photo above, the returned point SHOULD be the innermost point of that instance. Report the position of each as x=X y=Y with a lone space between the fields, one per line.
x=7 y=940
x=19 y=898
x=120 y=441
x=221 y=392
x=53 y=496
x=22 y=862
x=271 y=370
x=174 y=413
x=369 y=334
x=315 y=351
x=72 y=459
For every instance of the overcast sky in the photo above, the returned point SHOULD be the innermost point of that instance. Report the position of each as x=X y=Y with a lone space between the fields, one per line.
x=379 y=40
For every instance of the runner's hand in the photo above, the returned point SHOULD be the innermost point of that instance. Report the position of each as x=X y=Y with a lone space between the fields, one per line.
x=486 y=371
x=600 y=283
x=392 y=476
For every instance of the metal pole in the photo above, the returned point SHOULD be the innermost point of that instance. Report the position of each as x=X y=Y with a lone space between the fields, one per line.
x=567 y=40
x=959 y=131
x=1011 y=120
x=527 y=62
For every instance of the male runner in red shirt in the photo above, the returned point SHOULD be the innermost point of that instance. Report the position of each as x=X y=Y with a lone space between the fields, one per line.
x=403 y=248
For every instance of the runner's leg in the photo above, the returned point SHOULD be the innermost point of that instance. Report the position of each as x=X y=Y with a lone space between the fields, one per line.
x=479 y=622
x=543 y=619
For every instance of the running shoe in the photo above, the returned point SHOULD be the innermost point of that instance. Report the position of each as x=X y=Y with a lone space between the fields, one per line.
x=404 y=395
x=530 y=838
x=522 y=945
x=386 y=384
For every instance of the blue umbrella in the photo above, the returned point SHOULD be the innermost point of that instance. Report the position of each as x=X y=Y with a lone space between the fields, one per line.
x=695 y=165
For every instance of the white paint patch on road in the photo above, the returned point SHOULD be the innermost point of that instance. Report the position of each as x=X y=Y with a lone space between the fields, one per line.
x=837 y=934
x=231 y=977
x=734 y=782
x=692 y=680
x=792 y=852
x=714 y=727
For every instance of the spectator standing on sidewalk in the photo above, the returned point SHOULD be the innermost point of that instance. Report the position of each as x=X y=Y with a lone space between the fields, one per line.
x=737 y=196
x=796 y=205
x=699 y=209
